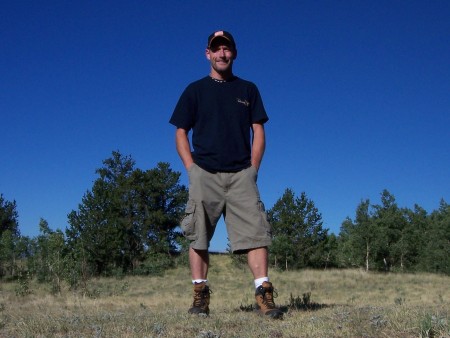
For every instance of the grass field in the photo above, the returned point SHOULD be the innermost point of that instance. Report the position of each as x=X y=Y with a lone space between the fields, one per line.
x=331 y=303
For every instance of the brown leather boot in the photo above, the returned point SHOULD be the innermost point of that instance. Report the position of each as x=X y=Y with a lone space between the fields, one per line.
x=201 y=299
x=264 y=301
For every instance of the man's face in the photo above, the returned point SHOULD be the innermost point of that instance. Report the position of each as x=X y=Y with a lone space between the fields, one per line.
x=221 y=56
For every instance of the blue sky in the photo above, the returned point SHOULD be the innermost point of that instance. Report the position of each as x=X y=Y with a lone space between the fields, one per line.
x=358 y=95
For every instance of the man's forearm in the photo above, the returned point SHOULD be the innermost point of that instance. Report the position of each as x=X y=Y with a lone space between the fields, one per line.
x=184 y=147
x=258 y=145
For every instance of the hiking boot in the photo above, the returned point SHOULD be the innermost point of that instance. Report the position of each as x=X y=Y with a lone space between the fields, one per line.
x=201 y=299
x=264 y=301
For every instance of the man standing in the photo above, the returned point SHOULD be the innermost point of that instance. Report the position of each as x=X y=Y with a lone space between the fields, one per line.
x=227 y=117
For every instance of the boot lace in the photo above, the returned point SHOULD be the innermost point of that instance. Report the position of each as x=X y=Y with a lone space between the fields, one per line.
x=268 y=295
x=201 y=296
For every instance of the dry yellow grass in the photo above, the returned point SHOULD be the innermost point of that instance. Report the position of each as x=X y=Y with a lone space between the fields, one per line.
x=344 y=303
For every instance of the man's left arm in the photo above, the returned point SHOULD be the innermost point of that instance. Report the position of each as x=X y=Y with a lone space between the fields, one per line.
x=258 y=144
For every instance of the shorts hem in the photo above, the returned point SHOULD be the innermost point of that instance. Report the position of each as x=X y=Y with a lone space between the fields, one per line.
x=195 y=246
x=244 y=248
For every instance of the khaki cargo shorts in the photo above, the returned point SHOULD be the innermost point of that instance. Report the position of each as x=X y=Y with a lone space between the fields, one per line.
x=233 y=195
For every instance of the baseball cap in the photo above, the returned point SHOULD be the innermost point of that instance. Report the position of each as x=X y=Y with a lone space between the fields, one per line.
x=221 y=34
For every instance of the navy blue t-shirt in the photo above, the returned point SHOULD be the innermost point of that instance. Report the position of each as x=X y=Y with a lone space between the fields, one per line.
x=220 y=115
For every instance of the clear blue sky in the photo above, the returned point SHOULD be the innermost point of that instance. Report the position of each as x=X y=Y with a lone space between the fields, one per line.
x=358 y=95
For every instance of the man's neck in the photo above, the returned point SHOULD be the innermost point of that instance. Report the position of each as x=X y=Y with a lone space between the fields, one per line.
x=221 y=76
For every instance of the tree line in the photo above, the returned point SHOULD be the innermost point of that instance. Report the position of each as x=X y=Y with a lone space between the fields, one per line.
x=381 y=237
x=127 y=223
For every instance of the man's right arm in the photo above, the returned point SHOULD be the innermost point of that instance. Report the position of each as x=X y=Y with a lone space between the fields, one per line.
x=184 y=147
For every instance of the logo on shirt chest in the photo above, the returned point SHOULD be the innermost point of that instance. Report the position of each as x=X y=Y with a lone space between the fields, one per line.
x=244 y=102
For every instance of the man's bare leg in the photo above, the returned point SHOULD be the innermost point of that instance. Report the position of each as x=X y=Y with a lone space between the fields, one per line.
x=199 y=262
x=258 y=262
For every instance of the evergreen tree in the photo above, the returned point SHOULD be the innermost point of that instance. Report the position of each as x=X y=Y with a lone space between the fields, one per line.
x=330 y=252
x=49 y=257
x=298 y=236
x=358 y=239
x=128 y=215
x=390 y=224
x=8 y=217
x=412 y=241
x=435 y=256
x=9 y=238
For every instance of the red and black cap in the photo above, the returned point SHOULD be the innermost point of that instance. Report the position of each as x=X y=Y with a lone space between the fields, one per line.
x=221 y=34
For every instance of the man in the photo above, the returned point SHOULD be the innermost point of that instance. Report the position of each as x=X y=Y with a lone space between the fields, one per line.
x=227 y=117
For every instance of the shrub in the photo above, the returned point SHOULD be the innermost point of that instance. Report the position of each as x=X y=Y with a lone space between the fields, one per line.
x=155 y=265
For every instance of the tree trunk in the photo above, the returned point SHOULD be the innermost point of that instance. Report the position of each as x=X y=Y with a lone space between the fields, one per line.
x=327 y=260
x=367 y=256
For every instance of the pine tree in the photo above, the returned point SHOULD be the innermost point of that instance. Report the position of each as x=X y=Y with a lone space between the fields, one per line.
x=298 y=236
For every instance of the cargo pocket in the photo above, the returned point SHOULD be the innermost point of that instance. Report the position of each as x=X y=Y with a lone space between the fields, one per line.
x=188 y=221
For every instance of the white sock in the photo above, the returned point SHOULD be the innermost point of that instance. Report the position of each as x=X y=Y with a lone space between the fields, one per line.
x=198 y=281
x=259 y=281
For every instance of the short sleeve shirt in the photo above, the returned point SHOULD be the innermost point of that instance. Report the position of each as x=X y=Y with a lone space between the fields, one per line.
x=220 y=115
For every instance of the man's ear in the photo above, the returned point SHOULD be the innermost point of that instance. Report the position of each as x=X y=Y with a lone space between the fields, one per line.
x=235 y=54
x=207 y=54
